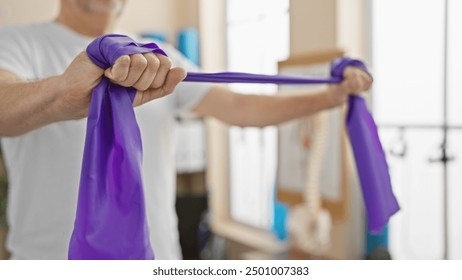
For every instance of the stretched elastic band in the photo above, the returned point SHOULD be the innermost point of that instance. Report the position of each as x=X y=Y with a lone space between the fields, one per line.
x=237 y=77
x=337 y=68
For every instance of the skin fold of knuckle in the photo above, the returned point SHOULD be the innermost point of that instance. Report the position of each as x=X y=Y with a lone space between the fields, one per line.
x=139 y=63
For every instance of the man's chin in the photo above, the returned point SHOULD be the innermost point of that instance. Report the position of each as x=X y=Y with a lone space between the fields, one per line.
x=114 y=7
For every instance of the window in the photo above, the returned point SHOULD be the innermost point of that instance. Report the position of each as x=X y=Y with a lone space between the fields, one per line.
x=411 y=74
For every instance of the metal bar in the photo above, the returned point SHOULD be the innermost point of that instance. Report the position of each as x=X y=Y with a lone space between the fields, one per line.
x=445 y=135
x=420 y=126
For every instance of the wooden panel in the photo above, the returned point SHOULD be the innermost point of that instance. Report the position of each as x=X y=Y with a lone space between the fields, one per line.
x=338 y=208
x=312 y=25
x=217 y=178
x=321 y=56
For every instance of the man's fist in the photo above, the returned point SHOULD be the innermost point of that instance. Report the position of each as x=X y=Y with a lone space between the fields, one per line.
x=355 y=80
x=151 y=74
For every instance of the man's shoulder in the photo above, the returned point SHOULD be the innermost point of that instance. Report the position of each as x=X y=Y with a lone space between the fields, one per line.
x=24 y=32
x=9 y=31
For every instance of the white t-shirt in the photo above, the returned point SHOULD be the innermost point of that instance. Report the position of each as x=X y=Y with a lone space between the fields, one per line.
x=44 y=165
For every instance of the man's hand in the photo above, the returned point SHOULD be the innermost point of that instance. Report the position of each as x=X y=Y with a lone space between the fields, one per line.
x=355 y=81
x=151 y=74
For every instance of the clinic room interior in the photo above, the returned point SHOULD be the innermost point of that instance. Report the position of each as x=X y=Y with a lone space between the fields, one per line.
x=295 y=190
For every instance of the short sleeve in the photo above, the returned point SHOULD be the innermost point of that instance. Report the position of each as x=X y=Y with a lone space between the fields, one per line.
x=14 y=52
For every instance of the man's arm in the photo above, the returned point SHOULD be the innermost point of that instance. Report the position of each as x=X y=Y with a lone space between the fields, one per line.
x=262 y=110
x=26 y=106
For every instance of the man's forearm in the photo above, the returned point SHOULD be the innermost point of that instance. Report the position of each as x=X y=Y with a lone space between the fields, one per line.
x=264 y=110
x=261 y=110
x=27 y=105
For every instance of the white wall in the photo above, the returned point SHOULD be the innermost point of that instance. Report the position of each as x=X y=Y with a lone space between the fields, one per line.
x=23 y=11
x=139 y=15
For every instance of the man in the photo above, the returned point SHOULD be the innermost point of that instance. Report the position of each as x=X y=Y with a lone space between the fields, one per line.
x=45 y=89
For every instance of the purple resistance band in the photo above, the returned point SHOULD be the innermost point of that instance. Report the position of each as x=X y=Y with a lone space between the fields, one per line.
x=111 y=220
x=235 y=77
